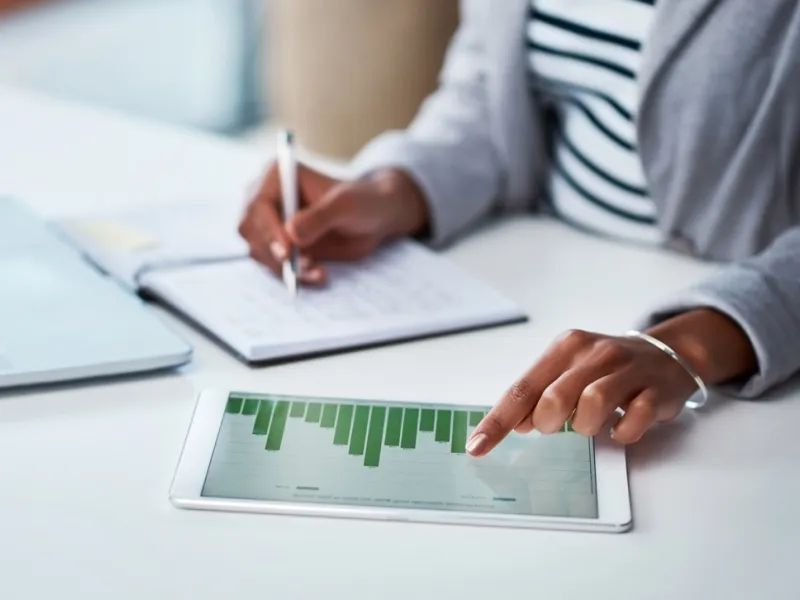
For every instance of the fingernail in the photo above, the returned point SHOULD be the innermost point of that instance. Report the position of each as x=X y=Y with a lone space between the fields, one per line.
x=314 y=274
x=477 y=444
x=278 y=251
x=613 y=433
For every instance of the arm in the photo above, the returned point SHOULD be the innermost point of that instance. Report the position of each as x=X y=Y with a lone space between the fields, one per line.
x=740 y=331
x=760 y=298
x=448 y=150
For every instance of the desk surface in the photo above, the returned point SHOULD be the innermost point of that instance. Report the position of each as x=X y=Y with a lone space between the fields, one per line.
x=86 y=469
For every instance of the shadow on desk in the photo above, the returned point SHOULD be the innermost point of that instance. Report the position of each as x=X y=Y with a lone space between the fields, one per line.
x=90 y=383
x=732 y=426
x=117 y=394
x=662 y=443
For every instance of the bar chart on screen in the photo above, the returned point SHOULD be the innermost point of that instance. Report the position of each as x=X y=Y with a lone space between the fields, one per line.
x=393 y=455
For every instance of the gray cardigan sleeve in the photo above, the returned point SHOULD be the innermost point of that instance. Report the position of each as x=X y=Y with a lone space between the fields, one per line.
x=448 y=148
x=762 y=294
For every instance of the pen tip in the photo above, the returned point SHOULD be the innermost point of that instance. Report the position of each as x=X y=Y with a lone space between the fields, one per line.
x=290 y=279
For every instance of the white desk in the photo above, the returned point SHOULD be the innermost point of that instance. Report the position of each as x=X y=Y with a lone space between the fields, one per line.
x=84 y=471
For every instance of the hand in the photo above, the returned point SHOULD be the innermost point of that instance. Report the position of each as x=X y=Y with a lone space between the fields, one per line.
x=587 y=376
x=336 y=220
x=9 y=5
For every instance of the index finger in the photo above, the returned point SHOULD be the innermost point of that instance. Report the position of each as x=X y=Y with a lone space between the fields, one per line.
x=269 y=191
x=264 y=230
x=518 y=402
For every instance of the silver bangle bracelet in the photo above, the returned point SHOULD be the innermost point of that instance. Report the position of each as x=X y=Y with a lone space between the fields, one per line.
x=691 y=403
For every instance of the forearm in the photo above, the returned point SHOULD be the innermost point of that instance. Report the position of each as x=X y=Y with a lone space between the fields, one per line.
x=761 y=296
x=716 y=346
x=448 y=149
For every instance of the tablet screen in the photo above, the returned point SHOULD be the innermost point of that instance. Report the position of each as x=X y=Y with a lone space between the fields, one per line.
x=410 y=456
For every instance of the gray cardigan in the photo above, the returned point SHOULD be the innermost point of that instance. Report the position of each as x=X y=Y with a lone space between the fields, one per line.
x=719 y=138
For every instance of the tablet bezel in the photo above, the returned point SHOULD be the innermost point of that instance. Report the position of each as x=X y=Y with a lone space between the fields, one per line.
x=613 y=497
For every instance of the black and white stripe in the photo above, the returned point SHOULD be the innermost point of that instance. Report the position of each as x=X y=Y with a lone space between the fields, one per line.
x=584 y=57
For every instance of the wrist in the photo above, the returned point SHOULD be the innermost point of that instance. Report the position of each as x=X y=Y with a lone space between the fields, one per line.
x=408 y=208
x=714 y=345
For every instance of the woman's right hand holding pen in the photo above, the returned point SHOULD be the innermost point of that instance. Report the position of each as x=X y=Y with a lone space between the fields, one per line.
x=336 y=220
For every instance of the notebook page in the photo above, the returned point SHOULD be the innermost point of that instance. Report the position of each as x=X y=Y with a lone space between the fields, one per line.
x=402 y=291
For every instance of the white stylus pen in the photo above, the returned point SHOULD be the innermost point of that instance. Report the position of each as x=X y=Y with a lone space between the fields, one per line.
x=287 y=169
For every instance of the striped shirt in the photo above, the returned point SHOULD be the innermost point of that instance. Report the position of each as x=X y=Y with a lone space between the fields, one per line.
x=584 y=58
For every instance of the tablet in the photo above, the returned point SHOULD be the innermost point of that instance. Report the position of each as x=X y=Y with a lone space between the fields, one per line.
x=341 y=457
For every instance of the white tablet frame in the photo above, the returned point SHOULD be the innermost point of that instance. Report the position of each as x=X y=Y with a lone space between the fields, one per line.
x=613 y=497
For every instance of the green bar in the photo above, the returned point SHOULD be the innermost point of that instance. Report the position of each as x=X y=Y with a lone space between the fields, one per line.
x=314 y=412
x=442 y=426
x=250 y=406
x=427 y=419
x=475 y=418
x=261 y=426
x=298 y=410
x=278 y=426
x=410 y=424
x=394 y=426
x=372 y=457
x=359 y=436
x=341 y=436
x=234 y=406
x=459 y=439
x=568 y=426
x=328 y=419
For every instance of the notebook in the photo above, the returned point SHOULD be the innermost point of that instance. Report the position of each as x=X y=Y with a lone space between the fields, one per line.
x=190 y=258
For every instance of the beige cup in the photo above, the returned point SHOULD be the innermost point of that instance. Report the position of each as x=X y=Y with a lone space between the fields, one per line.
x=339 y=72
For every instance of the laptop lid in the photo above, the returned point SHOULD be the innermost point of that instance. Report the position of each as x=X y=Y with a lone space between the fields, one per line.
x=61 y=319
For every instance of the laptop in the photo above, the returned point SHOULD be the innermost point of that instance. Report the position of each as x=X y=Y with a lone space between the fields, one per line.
x=63 y=320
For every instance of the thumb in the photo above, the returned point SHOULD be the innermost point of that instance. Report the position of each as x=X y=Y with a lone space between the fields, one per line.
x=334 y=209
